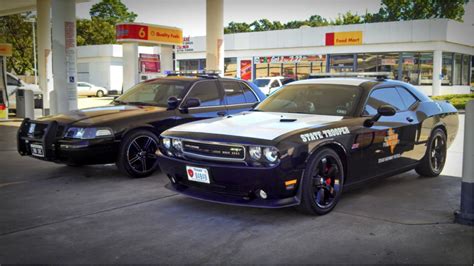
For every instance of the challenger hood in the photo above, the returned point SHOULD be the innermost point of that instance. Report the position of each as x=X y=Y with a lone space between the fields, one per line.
x=260 y=125
x=103 y=114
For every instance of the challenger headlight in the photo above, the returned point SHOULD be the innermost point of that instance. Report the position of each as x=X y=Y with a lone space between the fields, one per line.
x=88 y=132
x=271 y=154
x=255 y=152
x=167 y=143
x=177 y=144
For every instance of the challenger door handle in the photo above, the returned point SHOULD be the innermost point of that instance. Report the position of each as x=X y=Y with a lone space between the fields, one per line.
x=410 y=119
x=221 y=113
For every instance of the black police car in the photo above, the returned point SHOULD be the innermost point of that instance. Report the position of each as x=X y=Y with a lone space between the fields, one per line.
x=307 y=141
x=126 y=131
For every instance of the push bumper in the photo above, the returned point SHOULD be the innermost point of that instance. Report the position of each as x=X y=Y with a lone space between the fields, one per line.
x=235 y=185
x=48 y=136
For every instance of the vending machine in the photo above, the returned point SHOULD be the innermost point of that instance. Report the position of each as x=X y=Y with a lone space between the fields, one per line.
x=5 y=50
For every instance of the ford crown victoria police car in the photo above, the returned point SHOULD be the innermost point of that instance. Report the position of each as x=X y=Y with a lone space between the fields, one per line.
x=307 y=141
x=126 y=131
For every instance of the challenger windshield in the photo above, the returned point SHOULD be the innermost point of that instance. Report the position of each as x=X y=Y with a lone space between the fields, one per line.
x=321 y=99
x=154 y=93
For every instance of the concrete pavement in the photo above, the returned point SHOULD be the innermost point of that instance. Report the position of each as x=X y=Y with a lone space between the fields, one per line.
x=52 y=213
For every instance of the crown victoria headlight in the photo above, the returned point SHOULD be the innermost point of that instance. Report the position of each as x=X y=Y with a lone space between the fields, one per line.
x=88 y=132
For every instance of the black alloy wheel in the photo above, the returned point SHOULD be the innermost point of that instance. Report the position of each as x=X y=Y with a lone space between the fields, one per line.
x=434 y=160
x=326 y=182
x=438 y=154
x=322 y=182
x=137 y=156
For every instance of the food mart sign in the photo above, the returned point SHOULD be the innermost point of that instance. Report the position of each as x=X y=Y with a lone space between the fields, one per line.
x=344 y=38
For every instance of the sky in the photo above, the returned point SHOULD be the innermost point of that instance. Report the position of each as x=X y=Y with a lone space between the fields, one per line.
x=190 y=15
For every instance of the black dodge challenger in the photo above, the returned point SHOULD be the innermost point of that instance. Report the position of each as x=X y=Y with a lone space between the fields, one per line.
x=306 y=142
x=126 y=131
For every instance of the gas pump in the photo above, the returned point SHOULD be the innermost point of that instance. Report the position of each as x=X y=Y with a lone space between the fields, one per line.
x=5 y=50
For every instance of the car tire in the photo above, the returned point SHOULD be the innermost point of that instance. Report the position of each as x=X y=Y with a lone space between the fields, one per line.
x=433 y=162
x=100 y=94
x=137 y=156
x=322 y=183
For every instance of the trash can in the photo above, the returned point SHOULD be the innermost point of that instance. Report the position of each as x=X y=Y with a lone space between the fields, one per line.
x=25 y=104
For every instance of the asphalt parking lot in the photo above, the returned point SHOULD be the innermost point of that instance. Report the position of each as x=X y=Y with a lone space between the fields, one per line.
x=51 y=213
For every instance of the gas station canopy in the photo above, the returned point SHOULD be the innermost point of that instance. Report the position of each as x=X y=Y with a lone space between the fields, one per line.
x=20 y=6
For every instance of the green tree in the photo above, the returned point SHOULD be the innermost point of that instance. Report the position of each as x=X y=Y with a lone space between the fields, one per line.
x=317 y=21
x=347 y=19
x=94 y=31
x=15 y=30
x=236 y=27
x=100 y=29
x=113 y=11
x=396 y=10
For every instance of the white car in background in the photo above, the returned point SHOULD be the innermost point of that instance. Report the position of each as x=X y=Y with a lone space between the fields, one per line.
x=269 y=84
x=87 y=89
x=14 y=83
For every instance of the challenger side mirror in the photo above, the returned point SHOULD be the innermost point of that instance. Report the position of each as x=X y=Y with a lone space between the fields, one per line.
x=173 y=102
x=383 y=110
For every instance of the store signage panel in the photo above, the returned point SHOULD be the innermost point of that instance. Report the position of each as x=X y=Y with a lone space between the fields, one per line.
x=288 y=59
x=186 y=46
x=146 y=33
x=149 y=63
x=344 y=38
x=246 y=69
x=5 y=49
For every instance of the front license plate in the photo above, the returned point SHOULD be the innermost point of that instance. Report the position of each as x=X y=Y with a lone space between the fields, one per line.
x=198 y=174
x=37 y=150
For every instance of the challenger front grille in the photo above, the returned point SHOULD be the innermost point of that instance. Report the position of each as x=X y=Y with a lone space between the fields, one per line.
x=214 y=151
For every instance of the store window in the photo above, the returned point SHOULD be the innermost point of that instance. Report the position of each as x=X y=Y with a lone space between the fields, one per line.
x=366 y=63
x=289 y=71
x=192 y=65
x=261 y=70
x=230 y=67
x=447 y=69
x=410 y=68
x=303 y=70
x=318 y=63
x=275 y=70
x=426 y=68
x=389 y=63
x=465 y=70
x=472 y=70
x=457 y=69
x=342 y=63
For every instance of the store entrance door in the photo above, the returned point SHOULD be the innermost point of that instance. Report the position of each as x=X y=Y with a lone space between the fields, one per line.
x=342 y=63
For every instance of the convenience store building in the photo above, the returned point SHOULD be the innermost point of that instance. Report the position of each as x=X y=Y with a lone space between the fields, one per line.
x=434 y=55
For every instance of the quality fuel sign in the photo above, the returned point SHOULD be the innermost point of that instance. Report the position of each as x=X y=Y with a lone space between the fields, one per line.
x=343 y=38
x=147 y=33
